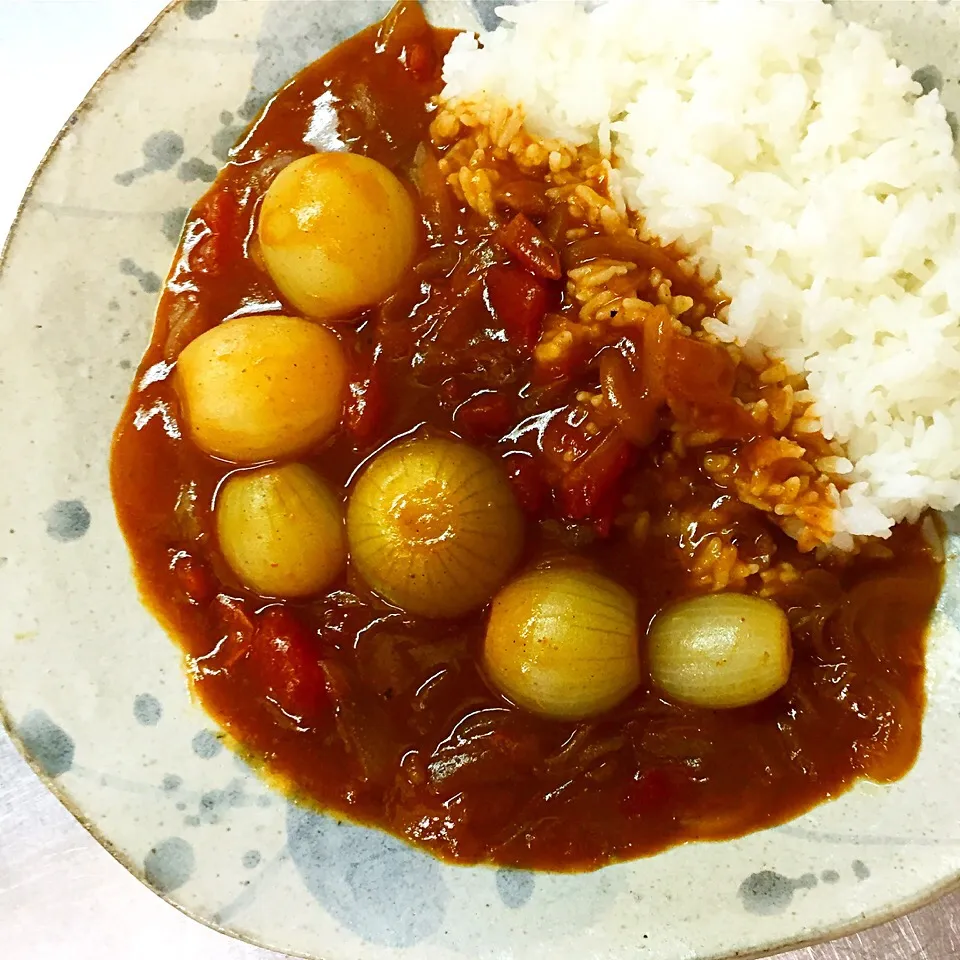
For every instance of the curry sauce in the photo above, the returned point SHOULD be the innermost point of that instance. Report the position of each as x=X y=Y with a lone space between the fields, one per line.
x=403 y=730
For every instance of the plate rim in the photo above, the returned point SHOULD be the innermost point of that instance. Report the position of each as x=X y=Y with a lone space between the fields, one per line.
x=866 y=921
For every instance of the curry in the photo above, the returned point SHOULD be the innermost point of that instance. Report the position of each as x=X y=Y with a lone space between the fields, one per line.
x=488 y=650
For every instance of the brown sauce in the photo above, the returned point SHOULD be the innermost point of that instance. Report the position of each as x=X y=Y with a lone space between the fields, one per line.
x=414 y=739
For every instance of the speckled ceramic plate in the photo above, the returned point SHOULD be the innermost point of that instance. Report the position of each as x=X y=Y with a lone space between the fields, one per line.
x=93 y=690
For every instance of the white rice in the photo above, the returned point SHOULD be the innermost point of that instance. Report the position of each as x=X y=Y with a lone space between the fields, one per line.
x=794 y=158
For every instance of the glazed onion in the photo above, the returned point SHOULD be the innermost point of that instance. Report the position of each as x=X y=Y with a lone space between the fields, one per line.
x=281 y=530
x=261 y=387
x=433 y=527
x=720 y=650
x=337 y=231
x=563 y=643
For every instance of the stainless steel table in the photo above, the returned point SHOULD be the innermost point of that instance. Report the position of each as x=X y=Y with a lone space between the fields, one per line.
x=61 y=895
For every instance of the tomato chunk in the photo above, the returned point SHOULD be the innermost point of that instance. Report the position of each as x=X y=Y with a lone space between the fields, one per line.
x=421 y=61
x=531 y=248
x=237 y=630
x=519 y=304
x=208 y=237
x=365 y=402
x=590 y=490
x=287 y=657
x=526 y=479
x=485 y=414
x=699 y=373
x=651 y=793
x=632 y=406
x=197 y=582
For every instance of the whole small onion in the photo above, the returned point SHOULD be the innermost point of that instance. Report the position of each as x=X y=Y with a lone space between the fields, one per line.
x=720 y=650
x=281 y=530
x=563 y=643
x=433 y=527
x=337 y=231
x=261 y=387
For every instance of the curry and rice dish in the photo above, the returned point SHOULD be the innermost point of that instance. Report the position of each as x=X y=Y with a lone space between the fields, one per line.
x=478 y=510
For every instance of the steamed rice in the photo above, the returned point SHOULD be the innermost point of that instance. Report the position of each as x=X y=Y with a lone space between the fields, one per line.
x=802 y=168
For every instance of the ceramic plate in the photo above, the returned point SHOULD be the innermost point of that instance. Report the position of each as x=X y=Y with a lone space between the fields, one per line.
x=93 y=691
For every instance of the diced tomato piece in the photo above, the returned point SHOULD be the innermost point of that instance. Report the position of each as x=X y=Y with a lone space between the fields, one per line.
x=195 y=579
x=450 y=394
x=633 y=407
x=218 y=210
x=406 y=23
x=698 y=373
x=519 y=304
x=406 y=35
x=699 y=379
x=238 y=630
x=421 y=61
x=651 y=793
x=485 y=414
x=589 y=490
x=287 y=659
x=206 y=239
x=526 y=479
x=531 y=248
x=365 y=403
x=187 y=318
x=586 y=470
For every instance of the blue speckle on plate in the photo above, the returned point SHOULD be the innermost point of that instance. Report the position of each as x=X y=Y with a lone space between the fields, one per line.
x=515 y=887
x=171 y=783
x=47 y=744
x=224 y=139
x=161 y=150
x=929 y=77
x=486 y=12
x=198 y=9
x=206 y=745
x=172 y=224
x=147 y=709
x=212 y=805
x=169 y=865
x=767 y=893
x=375 y=885
x=67 y=520
x=197 y=169
x=148 y=280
